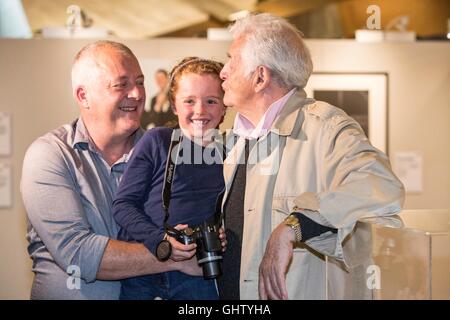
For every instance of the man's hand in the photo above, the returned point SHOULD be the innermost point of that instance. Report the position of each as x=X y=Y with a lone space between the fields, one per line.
x=181 y=251
x=189 y=267
x=272 y=271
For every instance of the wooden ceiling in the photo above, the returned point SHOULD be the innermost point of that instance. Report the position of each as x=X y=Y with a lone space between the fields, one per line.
x=141 y=19
x=124 y=18
x=150 y=18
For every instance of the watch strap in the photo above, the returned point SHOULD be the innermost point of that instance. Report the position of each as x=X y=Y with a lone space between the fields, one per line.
x=293 y=222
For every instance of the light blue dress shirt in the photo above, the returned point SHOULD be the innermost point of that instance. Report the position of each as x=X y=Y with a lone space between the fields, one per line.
x=68 y=189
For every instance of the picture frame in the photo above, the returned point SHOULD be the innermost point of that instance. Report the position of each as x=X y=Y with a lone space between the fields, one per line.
x=363 y=96
x=5 y=134
x=164 y=115
x=5 y=185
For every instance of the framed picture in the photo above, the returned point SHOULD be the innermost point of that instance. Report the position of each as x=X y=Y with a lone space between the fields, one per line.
x=157 y=111
x=363 y=96
x=5 y=134
x=5 y=185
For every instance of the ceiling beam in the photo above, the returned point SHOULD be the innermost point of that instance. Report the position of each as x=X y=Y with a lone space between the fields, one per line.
x=137 y=19
x=289 y=8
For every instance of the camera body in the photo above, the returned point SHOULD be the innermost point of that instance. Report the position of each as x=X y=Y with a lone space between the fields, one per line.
x=209 y=248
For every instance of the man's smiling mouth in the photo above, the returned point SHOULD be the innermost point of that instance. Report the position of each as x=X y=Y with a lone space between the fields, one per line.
x=128 y=109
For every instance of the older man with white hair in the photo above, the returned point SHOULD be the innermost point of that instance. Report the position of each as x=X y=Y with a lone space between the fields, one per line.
x=300 y=175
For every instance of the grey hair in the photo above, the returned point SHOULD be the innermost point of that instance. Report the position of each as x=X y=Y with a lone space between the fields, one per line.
x=273 y=42
x=101 y=44
x=85 y=59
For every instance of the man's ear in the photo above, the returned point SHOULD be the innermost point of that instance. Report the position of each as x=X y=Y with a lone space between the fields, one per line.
x=262 y=78
x=81 y=96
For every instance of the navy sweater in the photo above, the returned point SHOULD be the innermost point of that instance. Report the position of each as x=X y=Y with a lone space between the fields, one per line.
x=137 y=207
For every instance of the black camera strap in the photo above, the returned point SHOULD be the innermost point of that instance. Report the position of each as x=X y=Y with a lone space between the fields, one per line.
x=169 y=174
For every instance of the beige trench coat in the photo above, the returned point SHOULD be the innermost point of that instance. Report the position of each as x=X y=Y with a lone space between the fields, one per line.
x=316 y=158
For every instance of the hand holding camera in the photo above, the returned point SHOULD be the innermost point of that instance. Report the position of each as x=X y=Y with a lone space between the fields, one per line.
x=181 y=250
x=208 y=247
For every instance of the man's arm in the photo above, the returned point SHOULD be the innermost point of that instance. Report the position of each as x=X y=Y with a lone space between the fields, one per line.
x=124 y=260
x=56 y=213
x=279 y=249
x=359 y=183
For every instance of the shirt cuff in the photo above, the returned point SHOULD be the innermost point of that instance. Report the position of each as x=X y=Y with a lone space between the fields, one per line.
x=152 y=242
x=310 y=228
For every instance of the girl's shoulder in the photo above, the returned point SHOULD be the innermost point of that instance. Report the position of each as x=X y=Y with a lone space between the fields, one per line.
x=158 y=134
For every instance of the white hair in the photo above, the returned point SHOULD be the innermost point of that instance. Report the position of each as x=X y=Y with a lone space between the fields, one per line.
x=273 y=42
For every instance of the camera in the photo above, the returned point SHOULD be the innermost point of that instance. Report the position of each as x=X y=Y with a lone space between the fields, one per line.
x=209 y=248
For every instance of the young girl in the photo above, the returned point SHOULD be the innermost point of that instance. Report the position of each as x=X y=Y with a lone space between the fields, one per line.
x=195 y=94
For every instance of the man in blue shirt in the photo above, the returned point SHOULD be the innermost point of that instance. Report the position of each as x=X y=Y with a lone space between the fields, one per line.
x=70 y=177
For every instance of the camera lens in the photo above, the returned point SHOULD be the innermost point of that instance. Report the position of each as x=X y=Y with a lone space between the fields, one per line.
x=209 y=251
x=211 y=264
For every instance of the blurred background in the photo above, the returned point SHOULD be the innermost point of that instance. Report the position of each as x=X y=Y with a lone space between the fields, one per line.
x=144 y=19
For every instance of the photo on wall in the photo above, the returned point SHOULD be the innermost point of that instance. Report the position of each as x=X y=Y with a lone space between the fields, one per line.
x=157 y=111
x=5 y=134
x=363 y=96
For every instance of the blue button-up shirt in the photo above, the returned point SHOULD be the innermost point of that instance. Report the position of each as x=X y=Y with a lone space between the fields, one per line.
x=68 y=189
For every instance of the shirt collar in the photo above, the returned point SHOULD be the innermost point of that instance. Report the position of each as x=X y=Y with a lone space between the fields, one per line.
x=244 y=128
x=82 y=140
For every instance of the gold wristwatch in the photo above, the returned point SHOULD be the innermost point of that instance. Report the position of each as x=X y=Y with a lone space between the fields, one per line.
x=293 y=222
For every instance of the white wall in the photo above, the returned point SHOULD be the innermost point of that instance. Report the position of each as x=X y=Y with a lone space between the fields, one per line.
x=35 y=89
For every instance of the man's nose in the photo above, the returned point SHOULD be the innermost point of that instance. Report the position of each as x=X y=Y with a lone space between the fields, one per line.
x=136 y=92
x=224 y=72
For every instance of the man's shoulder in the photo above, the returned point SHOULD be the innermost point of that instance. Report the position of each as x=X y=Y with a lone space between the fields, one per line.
x=49 y=143
x=329 y=115
x=323 y=110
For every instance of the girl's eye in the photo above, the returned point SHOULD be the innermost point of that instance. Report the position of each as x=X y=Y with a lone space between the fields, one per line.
x=189 y=101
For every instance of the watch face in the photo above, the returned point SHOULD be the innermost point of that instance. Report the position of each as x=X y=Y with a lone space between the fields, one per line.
x=291 y=220
x=163 y=250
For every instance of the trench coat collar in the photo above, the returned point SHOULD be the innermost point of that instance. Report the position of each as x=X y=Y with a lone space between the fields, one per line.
x=288 y=116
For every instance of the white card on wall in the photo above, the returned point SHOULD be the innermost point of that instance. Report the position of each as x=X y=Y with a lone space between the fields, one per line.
x=5 y=134
x=5 y=185
x=409 y=169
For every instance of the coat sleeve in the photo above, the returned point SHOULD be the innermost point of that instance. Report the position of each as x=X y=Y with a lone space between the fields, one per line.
x=54 y=209
x=358 y=182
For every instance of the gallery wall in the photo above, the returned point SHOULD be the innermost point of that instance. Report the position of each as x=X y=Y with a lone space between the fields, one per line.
x=35 y=90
